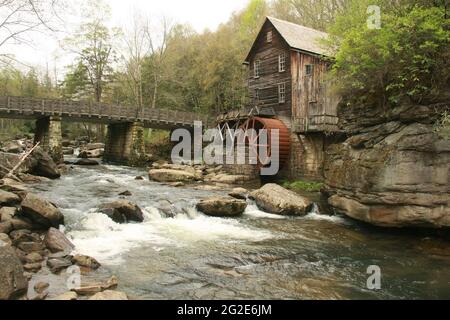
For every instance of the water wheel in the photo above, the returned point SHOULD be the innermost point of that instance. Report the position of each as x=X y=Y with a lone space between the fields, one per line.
x=254 y=140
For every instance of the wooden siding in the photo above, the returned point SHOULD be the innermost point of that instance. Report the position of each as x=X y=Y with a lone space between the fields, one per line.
x=314 y=108
x=269 y=76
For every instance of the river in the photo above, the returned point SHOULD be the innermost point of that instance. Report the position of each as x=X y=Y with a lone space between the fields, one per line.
x=183 y=254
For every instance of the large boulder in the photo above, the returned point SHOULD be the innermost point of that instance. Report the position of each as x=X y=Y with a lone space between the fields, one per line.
x=222 y=207
x=122 y=211
x=45 y=166
x=38 y=163
x=171 y=175
x=13 y=284
x=41 y=211
x=275 y=199
x=56 y=241
x=392 y=171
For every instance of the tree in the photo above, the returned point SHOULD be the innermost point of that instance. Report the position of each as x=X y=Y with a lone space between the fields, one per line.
x=405 y=59
x=20 y=18
x=316 y=14
x=92 y=45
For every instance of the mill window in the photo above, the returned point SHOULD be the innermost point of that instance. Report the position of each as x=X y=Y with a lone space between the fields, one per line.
x=282 y=62
x=281 y=93
x=257 y=68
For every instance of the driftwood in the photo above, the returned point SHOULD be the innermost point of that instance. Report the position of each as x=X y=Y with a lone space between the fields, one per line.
x=22 y=159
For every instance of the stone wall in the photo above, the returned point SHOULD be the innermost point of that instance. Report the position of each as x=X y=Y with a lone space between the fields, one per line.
x=125 y=144
x=393 y=170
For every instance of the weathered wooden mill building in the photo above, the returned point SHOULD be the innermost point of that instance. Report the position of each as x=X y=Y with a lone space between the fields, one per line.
x=287 y=81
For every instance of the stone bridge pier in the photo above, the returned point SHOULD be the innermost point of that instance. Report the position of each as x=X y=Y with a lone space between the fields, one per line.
x=124 y=144
x=48 y=133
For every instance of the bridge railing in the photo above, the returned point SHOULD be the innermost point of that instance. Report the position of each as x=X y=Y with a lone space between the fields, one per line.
x=26 y=105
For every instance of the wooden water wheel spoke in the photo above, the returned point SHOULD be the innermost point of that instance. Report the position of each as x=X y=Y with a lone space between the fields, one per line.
x=254 y=141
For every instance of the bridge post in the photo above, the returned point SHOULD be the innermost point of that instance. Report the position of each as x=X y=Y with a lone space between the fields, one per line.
x=125 y=144
x=48 y=133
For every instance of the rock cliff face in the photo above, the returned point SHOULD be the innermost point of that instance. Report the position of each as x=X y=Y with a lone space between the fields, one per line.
x=393 y=170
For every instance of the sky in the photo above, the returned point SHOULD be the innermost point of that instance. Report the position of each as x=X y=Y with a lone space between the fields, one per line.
x=200 y=14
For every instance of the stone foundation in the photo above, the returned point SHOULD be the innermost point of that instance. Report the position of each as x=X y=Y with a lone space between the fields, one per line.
x=48 y=133
x=125 y=144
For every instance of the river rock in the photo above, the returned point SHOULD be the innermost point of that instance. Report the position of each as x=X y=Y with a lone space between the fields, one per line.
x=68 y=151
x=58 y=264
x=122 y=211
x=56 y=241
x=5 y=240
x=171 y=175
x=8 y=198
x=34 y=257
x=87 y=162
x=22 y=223
x=222 y=207
x=239 y=193
x=31 y=246
x=40 y=287
x=93 y=288
x=6 y=227
x=41 y=211
x=86 y=262
x=229 y=179
x=94 y=146
x=96 y=153
x=32 y=267
x=275 y=199
x=68 y=296
x=13 y=147
x=44 y=164
x=109 y=295
x=7 y=213
x=19 y=236
x=13 y=284
x=392 y=171
x=126 y=193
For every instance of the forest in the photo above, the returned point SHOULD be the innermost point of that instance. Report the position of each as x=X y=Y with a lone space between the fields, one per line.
x=168 y=65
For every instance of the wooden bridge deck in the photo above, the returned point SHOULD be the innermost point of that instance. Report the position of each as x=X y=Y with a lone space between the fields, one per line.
x=34 y=108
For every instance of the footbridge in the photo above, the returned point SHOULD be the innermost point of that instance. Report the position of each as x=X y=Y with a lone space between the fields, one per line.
x=124 y=140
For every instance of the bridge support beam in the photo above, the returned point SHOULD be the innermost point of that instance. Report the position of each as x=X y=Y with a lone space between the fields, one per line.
x=48 y=133
x=125 y=144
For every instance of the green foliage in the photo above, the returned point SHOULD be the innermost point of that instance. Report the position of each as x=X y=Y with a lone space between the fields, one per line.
x=300 y=185
x=406 y=58
x=442 y=126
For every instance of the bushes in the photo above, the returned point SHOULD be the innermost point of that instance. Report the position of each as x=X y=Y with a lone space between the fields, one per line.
x=406 y=58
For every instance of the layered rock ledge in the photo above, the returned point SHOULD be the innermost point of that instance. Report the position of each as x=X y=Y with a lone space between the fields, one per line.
x=393 y=169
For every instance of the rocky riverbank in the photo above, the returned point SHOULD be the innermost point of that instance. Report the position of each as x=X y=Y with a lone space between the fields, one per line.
x=31 y=242
x=393 y=169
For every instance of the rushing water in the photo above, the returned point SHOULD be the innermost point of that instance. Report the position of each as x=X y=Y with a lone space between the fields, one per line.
x=179 y=253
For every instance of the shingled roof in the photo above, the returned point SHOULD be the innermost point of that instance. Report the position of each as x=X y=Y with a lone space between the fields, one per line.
x=299 y=37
